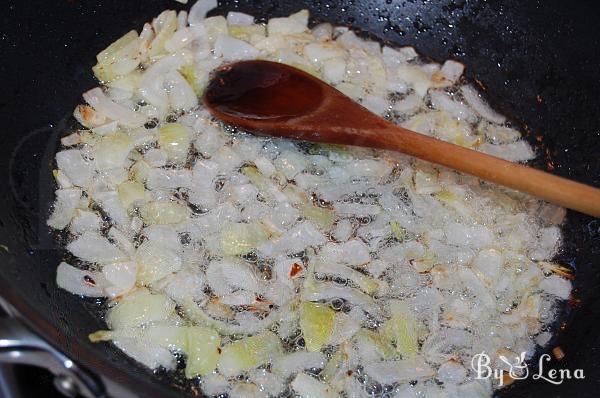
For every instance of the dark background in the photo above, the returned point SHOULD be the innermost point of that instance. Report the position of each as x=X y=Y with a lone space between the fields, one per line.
x=539 y=60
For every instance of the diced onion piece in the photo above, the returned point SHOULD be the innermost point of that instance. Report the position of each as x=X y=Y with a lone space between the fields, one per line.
x=112 y=151
x=290 y=163
x=181 y=95
x=85 y=221
x=67 y=201
x=215 y=27
x=373 y=345
x=120 y=58
x=450 y=73
x=514 y=152
x=77 y=281
x=72 y=163
x=194 y=78
x=199 y=10
x=366 y=283
x=155 y=261
x=248 y=33
x=106 y=129
x=139 y=171
x=175 y=138
x=102 y=104
x=402 y=330
x=345 y=326
x=226 y=276
x=473 y=98
x=239 y=18
x=180 y=39
x=353 y=252
x=451 y=372
x=152 y=356
x=267 y=382
x=202 y=351
x=295 y=23
x=316 y=323
x=139 y=308
x=295 y=362
x=164 y=26
x=241 y=238
x=309 y=387
x=131 y=193
x=121 y=277
x=334 y=70
x=160 y=334
x=390 y=372
x=447 y=103
x=322 y=217
x=215 y=384
x=314 y=291
x=323 y=31
x=112 y=206
x=231 y=48
x=465 y=235
x=556 y=286
x=248 y=353
x=395 y=56
x=295 y=240
x=319 y=52
x=94 y=248
x=164 y=212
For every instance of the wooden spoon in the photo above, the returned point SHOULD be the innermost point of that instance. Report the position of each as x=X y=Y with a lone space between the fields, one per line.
x=274 y=99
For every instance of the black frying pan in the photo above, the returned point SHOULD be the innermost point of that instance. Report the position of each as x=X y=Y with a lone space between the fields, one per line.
x=537 y=59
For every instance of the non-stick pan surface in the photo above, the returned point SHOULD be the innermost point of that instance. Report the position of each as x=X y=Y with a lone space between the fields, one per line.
x=537 y=59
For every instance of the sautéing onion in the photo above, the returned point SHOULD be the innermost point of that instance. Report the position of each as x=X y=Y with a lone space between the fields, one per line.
x=273 y=267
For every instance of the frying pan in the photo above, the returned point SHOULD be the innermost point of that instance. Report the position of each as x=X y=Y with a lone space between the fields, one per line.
x=537 y=61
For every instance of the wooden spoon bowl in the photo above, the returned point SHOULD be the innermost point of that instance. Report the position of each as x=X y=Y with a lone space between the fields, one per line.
x=270 y=98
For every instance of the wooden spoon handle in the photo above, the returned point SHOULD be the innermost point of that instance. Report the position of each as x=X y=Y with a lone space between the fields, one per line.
x=557 y=190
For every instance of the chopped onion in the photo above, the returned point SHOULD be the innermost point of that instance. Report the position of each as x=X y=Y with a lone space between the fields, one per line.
x=155 y=261
x=92 y=247
x=309 y=387
x=295 y=23
x=181 y=95
x=357 y=252
x=298 y=361
x=112 y=205
x=163 y=212
x=67 y=201
x=225 y=277
x=514 y=152
x=300 y=237
x=239 y=18
x=121 y=276
x=175 y=138
x=248 y=353
x=85 y=221
x=199 y=10
x=72 y=163
x=77 y=281
x=202 y=351
x=267 y=382
x=102 y=104
x=473 y=98
x=230 y=48
x=139 y=308
x=556 y=286
x=389 y=372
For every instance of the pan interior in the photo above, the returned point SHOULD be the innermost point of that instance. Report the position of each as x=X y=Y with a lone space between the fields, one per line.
x=528 y=67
